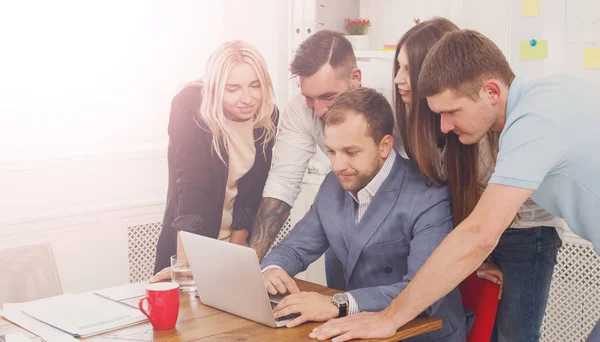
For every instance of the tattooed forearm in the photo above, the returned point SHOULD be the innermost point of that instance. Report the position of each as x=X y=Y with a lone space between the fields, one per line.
x=271 y=216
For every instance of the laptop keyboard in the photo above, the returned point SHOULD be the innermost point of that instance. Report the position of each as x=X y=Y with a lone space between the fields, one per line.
x=284 y=318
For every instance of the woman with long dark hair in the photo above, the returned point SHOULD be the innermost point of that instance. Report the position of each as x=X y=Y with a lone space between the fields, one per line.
x=526 y=253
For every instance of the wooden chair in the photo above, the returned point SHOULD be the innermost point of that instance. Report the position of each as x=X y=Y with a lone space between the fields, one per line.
x=28 y=273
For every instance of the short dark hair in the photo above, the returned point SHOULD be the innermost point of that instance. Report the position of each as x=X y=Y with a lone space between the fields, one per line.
x=461 y=61
x=367 y=102
x=321 y=48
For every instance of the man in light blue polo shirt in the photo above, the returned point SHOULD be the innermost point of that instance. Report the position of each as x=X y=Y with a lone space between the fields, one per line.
x=548 y=151
x=549 y=144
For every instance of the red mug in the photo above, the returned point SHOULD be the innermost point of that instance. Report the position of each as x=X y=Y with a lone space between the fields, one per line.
x=163 y=305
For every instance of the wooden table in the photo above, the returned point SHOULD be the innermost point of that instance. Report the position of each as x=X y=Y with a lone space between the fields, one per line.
x=198 y=322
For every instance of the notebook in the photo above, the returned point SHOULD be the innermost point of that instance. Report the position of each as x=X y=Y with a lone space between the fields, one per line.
x=16 y=337
x=124 y=292
x=83 y=315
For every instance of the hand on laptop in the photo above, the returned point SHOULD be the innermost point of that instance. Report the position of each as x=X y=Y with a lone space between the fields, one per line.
x=278 y=281
x=164 y=275
x=311 y=306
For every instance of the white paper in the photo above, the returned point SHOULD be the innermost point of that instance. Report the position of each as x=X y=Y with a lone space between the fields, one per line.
x=123 y=292
x=12 y=312
x=83 y=314
x=15 y=337
x=583 y=21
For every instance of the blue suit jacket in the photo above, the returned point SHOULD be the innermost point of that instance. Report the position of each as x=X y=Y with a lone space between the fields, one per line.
x=404 y=223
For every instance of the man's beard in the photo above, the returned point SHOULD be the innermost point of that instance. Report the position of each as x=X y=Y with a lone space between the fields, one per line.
x=363 y=179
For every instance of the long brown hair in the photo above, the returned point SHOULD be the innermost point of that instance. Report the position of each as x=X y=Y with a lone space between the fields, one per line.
x=465 y=174
x=420 y=128
x=421 y=139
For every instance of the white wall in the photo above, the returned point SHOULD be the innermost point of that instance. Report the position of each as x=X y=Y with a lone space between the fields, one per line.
x=390 y=19
x=85 y=94
x=96 y=76
x=265 y=24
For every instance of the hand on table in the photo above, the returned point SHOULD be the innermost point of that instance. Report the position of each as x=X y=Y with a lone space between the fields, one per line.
x=360 y=326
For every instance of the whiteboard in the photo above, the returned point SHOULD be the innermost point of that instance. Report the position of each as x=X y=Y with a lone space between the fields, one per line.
x=583 y=21
x=569 y=26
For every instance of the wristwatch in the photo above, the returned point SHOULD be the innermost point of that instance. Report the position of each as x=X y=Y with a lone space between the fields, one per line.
x=341 y=301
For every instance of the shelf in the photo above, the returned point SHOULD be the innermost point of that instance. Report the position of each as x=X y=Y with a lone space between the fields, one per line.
x=379 y=54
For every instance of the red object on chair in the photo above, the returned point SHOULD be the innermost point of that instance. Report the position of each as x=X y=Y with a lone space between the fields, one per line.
x=481 y=297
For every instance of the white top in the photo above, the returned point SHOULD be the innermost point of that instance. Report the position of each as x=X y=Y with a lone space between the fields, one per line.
x=300 y=133
x=241 y=158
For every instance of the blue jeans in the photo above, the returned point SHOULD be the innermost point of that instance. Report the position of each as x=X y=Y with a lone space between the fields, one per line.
x=595 y=334
x=334 y=272
x=527 y=258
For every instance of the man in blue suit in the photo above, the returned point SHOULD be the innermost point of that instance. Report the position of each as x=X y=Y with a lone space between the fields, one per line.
x=378 y=216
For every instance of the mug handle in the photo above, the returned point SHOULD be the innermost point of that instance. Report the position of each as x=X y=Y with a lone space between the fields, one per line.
x=141 y=306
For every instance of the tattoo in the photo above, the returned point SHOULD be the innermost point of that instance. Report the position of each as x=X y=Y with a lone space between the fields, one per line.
x=271 y=216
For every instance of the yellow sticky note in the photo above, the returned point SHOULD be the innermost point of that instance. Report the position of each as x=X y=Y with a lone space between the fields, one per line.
x=533 y=53
x=591 y=58
x=530 y=8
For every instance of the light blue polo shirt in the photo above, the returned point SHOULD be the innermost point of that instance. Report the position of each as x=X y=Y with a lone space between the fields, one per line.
x=551 y=144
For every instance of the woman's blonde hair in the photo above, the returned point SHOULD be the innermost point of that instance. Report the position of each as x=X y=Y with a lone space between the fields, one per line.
x=227 y=56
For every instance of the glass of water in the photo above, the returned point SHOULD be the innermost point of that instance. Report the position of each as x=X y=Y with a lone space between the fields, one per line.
x=181 y=273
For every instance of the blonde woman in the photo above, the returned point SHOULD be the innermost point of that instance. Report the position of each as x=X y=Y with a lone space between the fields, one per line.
x=221 y=133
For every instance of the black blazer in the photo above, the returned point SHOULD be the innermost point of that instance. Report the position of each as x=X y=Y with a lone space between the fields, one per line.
x=197 y=178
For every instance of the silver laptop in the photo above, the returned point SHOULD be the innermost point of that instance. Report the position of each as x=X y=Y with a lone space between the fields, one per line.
x=228 y=278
